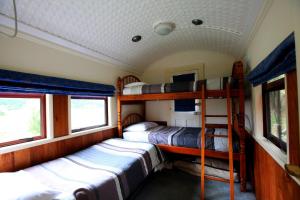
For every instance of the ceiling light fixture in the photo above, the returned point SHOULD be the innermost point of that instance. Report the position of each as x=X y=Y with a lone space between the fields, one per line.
x=164 y=28
x=197 y=22
x=136 y=38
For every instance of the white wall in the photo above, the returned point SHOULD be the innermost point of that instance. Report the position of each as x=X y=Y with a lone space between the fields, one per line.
x=281 y=19
x=47 y=59
x=216 y=65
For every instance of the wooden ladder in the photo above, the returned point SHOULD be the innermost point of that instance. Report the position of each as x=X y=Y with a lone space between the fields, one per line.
x=230 y=149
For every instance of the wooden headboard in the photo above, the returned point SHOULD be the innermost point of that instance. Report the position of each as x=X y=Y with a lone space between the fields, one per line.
x=132 y=118
x=124 y=81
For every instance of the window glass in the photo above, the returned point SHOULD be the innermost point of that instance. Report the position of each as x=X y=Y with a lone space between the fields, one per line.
x=87 y=113
x=21 y=118
x=278 y=114
x=275 y=112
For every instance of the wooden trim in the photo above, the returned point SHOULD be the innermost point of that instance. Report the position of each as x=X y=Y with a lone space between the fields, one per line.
x=231 y=179
x=176 y=96
x=203 y=113
x=119 y=112
x=60 y=115
x=270 y=179
x=43 y=125
x=293 y=117
x=28 y=157
x=213 y=178
x=196 y=152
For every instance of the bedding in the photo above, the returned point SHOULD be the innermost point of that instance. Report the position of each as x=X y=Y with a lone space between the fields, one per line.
x=183 y=137
x=189 y=86
x=109 y=170
x=134 y=84
x=142 y=126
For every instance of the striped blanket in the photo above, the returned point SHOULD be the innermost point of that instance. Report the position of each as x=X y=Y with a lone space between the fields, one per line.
x=180 y=136
x=189 y=86
x=110 y=170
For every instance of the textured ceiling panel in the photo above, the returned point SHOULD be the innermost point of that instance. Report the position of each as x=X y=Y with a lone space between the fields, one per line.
x=107 y=26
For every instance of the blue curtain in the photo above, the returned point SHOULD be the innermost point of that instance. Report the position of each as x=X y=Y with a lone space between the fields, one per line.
x=12 y=81
x=280 y=61
x=188 y=104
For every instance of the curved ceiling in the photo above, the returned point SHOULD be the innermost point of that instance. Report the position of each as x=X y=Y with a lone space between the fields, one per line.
x=104 y=28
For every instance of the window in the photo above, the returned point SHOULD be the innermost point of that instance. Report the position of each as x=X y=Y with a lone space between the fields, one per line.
x=22 y=118
x=275 y=112
x=88 y=112
x=184 y=105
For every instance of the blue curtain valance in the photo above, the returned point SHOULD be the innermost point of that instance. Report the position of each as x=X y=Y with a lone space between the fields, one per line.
x=280 y=61
x=12 y=81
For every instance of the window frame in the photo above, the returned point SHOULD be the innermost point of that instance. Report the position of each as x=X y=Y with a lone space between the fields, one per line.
x=276 y=85
x=42 y=98
x=185 y=100
x=90 y=97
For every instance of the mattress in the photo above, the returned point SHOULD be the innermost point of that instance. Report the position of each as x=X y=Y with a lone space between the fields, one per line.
x=183 y=137
x=190 y=86
x=110 y=170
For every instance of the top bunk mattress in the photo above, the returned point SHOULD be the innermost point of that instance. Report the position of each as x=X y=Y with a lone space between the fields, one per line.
x=185 y=86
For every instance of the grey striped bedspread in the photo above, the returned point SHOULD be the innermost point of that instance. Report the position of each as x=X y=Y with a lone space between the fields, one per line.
x=190 y=86
x=180 y=136
x=109 y=170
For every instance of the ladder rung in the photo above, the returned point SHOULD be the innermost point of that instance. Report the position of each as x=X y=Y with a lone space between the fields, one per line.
x=213 y=135
x=213 y=178
x=215 y=115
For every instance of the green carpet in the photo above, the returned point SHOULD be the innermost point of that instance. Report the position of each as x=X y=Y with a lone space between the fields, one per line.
x=175 y=184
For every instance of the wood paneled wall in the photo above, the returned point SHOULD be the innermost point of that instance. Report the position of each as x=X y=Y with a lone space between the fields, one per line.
x=270 y=180
x=60 y=115
x=17 y=160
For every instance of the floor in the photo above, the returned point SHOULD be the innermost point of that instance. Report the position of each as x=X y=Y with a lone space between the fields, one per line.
x=175 y=184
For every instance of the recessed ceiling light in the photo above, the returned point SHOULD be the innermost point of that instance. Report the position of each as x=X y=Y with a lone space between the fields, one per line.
x=197 y=22
x=164 y=28
x=136 y=38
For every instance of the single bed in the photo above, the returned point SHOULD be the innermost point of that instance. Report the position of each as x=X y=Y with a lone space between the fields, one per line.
x=110 y=170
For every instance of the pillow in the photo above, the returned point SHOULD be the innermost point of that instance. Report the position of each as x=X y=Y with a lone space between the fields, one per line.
x=134 y=84
x=21 y=185
x=142 y=126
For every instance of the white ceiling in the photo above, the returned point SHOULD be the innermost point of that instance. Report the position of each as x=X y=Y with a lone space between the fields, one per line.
x=104 y=28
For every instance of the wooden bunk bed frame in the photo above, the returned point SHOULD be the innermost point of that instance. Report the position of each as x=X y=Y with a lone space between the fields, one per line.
x=238 y=115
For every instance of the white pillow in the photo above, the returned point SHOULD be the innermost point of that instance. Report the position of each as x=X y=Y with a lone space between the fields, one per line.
x=142 y=126
x=21 y=185
x=134 y=84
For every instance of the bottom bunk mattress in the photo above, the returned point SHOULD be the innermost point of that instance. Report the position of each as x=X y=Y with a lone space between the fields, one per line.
x=110 y=170
x=182 y=137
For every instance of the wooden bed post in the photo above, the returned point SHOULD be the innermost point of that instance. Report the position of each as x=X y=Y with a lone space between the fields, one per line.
x=203 y=110
x=119 y=106
x=230 y=151
x=241 y=122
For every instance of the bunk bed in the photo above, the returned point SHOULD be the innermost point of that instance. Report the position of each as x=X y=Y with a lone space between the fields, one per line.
x=202 y=91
